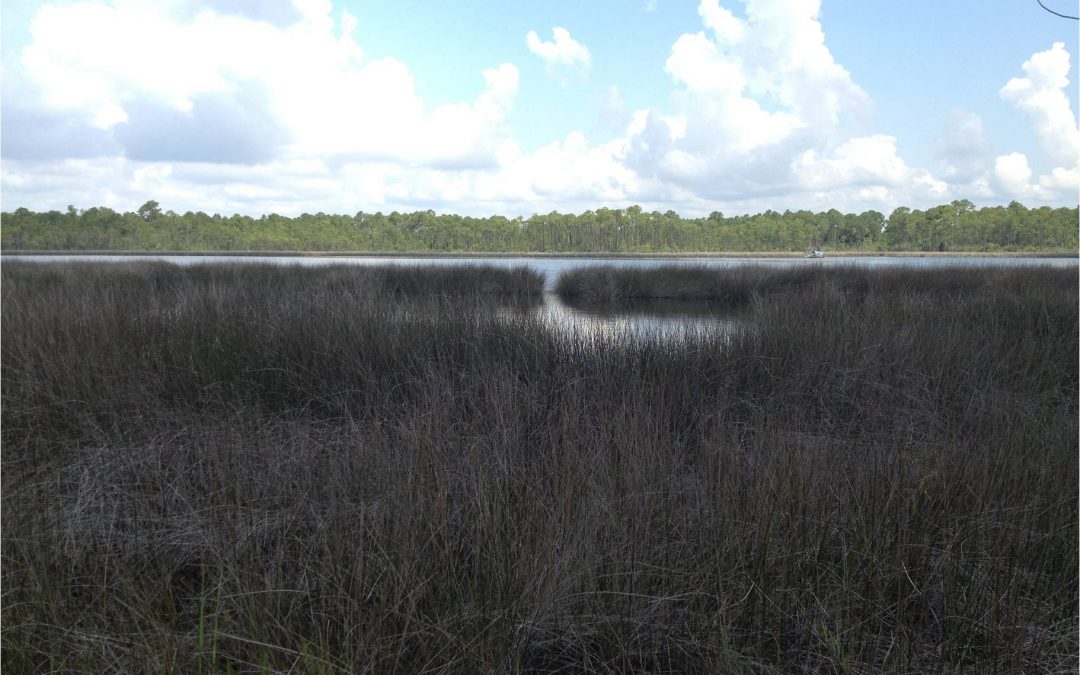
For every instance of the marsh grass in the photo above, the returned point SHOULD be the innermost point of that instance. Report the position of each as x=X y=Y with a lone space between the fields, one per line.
x=255 y=469
x=737 y=287
x=727 y=288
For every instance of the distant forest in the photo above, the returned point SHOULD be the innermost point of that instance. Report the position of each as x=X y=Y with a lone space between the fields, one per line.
x=958 y=226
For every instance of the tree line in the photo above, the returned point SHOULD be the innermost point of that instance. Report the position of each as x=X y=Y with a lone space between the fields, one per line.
x=957 y=226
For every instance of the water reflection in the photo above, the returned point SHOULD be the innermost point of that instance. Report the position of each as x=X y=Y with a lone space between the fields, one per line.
x=666 y=320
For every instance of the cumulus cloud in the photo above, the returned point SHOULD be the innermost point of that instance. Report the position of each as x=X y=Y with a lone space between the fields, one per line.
x=281 y=109
x=1042 y=95
x=871 y=160
x=282 y=99
x=563 y=53
x=1013 y=174
x=715 y=102
x=253 y=90
x=1013 y=177
x=721 y=21
x=753 y=93
x=1062 y=180
x=461 y=135
x=869 y=167
x=572 y=168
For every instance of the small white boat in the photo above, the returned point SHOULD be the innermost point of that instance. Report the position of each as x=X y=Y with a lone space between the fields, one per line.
x=814 y=253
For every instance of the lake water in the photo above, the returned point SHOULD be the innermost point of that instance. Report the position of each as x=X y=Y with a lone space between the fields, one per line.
x=666 y=320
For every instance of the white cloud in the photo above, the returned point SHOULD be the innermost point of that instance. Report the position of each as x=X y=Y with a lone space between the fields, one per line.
x=1042 y=95
x=718 y=106
x=789 y=61
x=1014 y=175
x=312 y=87
x=1062 y=181
x=562 y=53
x=753 y=94
x=281 y=109
x=870 y=160
x=721 y=21
x=870 y=168
x=574 y=169
x=470 y=135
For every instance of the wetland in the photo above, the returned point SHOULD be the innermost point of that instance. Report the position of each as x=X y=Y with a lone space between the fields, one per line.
x=345 y=468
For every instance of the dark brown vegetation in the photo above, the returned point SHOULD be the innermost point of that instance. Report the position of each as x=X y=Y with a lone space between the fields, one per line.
x=721 y=288
x=256 y=468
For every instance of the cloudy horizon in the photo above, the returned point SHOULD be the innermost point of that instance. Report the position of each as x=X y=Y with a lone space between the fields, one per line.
x=734 y=106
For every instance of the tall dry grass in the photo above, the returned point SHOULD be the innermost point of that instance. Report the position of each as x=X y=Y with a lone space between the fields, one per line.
x=265 y=469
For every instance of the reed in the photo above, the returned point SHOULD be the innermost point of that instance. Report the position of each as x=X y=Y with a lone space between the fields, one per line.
x=736 y=287
x=730 y=287
x=252 y=469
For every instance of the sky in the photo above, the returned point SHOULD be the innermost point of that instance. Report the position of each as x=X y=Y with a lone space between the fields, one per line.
x=510 y=108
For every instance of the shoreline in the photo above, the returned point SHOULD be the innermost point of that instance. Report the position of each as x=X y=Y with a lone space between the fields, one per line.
x=564 y=255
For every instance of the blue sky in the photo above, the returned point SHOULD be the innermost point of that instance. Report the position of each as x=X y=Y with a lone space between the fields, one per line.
x=258 y=106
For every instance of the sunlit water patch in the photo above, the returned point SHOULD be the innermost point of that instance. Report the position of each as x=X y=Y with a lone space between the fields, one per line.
x=664 y=320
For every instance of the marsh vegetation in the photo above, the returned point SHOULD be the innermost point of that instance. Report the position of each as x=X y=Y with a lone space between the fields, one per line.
x=256 y=468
